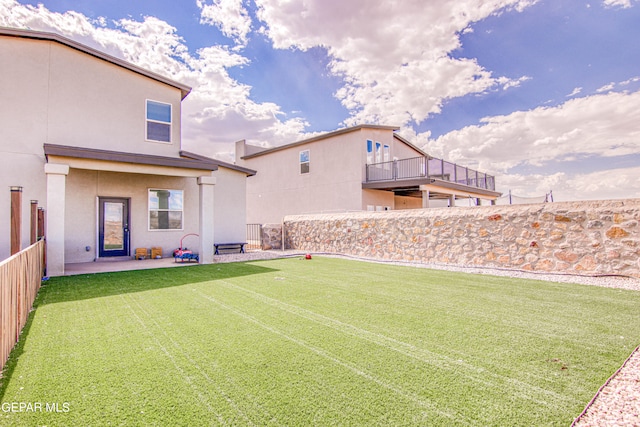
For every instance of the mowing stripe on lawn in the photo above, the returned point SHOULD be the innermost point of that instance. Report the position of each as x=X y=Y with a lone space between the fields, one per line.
x=328 y=356
x=502 y=286
x=185 y=377
x=246 y=405
x=200 y=318
x=551 y=311
x=409 y=350
x=170 y=356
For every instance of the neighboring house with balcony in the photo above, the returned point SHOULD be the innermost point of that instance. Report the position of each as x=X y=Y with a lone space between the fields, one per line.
x=97 y=142
x=366 y=167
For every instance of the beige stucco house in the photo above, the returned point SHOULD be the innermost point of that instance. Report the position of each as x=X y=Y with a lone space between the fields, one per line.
x=97 y=142
x=366 y=167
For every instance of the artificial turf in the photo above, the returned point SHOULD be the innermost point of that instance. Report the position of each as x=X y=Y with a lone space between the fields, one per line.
x=314 y=342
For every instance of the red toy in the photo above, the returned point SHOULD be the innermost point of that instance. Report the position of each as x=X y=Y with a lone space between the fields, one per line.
x=183 y=254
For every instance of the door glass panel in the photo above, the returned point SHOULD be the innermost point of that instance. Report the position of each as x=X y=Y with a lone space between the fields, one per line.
x=113 y=226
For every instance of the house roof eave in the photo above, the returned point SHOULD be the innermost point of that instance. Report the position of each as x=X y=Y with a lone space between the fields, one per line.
x=411 y=145
x=220 y=163
x=319 y=138
x=54 y=37
x=131 y=158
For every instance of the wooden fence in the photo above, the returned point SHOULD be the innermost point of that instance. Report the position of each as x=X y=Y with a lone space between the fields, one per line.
x=20 y=278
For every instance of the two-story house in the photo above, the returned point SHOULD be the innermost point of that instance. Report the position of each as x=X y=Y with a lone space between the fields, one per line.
x=97 y=142
x=366 y=167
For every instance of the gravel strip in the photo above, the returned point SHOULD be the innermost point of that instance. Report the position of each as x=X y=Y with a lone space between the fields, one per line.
x=617 y=403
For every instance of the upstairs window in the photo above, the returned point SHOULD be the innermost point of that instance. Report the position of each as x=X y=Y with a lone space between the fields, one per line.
x=386 y=153
x=158 y=121
x=369 y=152
x=165 y=209
x=386 y=156
x=304 y=161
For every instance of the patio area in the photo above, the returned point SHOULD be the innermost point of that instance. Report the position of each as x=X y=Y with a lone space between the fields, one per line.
x=103 y=266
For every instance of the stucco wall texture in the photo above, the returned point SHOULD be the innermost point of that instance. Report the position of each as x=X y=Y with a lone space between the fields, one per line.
x=588 y=237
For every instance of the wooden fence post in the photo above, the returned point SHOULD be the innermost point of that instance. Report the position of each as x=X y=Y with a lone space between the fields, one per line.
x=34 y=221
x=16 y=219
x=41 y=223
x=41 y=235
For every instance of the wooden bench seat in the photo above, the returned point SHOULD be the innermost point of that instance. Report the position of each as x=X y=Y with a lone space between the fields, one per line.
x=228 y=247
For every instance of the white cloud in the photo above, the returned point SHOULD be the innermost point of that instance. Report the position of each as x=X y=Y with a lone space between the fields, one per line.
x=230 y=16
x=533 y=185
x=610 y=184
x=600 y=125
x=619 y=183
x=509 y=83
x=217 y=112
x=575 y=92
x=606 y=88
x=630 y=81
x=394 y=56
x=619 y=3
x=152 y=44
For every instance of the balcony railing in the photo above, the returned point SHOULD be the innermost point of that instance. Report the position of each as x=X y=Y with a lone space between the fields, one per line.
x=429 y=167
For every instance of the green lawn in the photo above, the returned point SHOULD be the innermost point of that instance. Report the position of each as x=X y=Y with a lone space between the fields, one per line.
x=314 y=342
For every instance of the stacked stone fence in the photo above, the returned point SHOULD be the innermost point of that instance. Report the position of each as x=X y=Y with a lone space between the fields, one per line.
x=591 y=237
x=271 y=236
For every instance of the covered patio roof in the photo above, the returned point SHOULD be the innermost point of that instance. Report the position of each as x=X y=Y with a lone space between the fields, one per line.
x=116 y=161
x=61 y=159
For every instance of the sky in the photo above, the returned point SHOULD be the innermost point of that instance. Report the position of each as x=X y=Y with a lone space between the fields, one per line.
x=543 y=94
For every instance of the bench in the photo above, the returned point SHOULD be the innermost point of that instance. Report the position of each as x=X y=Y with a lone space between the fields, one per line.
x=228 y=246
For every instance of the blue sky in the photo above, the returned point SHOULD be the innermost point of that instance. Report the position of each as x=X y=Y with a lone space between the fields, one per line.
x=543 y=94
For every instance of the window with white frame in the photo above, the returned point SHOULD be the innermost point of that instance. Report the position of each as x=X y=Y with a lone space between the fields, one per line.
x=386 y=153
x=370 y=152
x=304 y=161
x=166 y=209
x=158 y=121
x=386 y=156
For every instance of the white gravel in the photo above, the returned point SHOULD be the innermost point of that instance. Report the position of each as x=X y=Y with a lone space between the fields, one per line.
x=617 y=403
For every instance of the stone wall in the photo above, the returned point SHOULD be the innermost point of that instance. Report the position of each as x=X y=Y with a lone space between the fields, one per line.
x=591 y=237
x=271 y=236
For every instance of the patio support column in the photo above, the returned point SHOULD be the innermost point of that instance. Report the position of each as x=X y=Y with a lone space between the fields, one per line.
x=56 y=201
x=425 y=198
x=205 y=185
